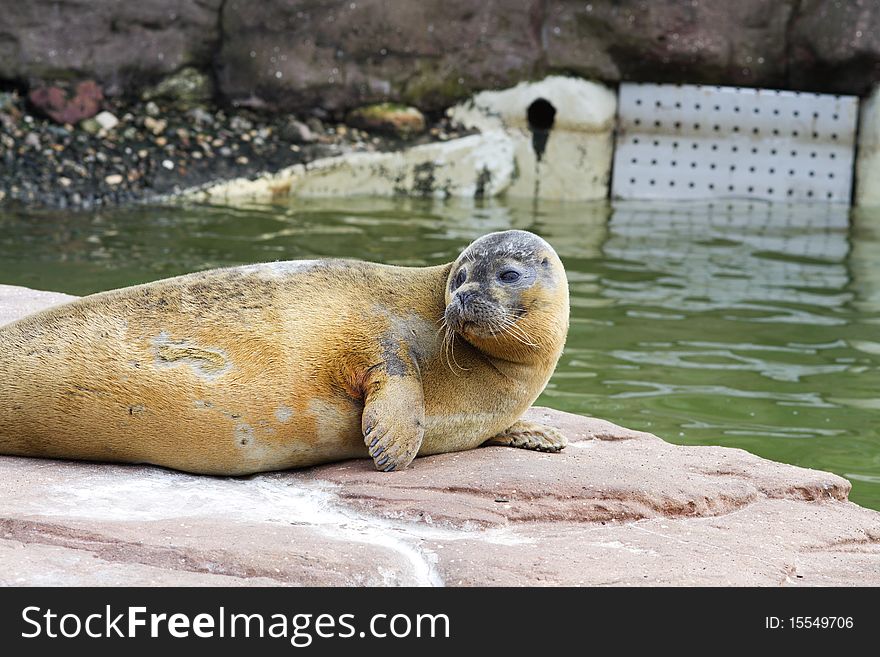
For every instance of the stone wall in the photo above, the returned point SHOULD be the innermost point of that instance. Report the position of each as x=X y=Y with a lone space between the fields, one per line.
x=335 y=55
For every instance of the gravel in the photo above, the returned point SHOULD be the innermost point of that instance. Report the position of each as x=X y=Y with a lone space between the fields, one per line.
x=131 y=152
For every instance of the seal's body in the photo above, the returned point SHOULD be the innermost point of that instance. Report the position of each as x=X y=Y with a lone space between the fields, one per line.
x=290 y=364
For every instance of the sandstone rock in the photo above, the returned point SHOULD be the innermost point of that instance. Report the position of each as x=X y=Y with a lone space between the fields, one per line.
x=617 y=507
x=388 y=118
x=562 y=130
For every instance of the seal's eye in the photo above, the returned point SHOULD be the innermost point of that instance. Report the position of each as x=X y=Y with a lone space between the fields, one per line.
x=509 y=276
x=459 y=279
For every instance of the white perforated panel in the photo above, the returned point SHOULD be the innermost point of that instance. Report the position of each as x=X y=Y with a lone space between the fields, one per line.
x=697 y=142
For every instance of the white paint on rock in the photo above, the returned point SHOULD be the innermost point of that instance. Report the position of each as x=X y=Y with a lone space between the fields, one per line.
x=473 y=166
x=160 y=495
x=115 y=495
x=576 y=164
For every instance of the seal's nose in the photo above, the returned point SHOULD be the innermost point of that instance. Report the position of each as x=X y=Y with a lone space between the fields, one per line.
x=465 y=296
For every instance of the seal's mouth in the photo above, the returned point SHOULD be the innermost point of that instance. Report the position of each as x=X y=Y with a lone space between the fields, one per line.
x=472 y=316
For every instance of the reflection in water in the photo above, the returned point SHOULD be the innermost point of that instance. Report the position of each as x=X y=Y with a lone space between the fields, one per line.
x=747 y=325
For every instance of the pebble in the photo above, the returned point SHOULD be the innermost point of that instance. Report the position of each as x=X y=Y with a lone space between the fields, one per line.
x=90 y=126
x=168 y=164
x=200 y=116
x=113 y=179
x=156 y=126
x=240 y=124
x=152 y=109
x=107 y=120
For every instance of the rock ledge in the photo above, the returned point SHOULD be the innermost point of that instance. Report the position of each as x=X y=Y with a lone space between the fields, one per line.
x=617 y=507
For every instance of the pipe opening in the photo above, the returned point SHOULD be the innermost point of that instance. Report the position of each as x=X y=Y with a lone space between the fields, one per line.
x=540 y=114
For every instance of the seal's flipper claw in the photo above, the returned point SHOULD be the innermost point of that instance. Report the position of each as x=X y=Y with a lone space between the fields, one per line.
x=393 y=419
x=530 y=435
x=395 y=448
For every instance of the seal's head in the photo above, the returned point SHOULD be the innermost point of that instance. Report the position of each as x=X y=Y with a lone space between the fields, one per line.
x=507 y=295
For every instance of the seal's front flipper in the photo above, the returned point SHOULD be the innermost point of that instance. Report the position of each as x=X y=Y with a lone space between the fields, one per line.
x=393 y=422
x=529 y=435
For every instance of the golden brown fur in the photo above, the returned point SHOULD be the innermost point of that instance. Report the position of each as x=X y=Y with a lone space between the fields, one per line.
x=274 y=366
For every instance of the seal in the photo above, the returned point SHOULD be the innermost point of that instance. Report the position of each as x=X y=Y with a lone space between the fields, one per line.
x=290 y=364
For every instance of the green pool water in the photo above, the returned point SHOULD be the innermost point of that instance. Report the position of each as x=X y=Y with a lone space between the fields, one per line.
x=746 y=325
